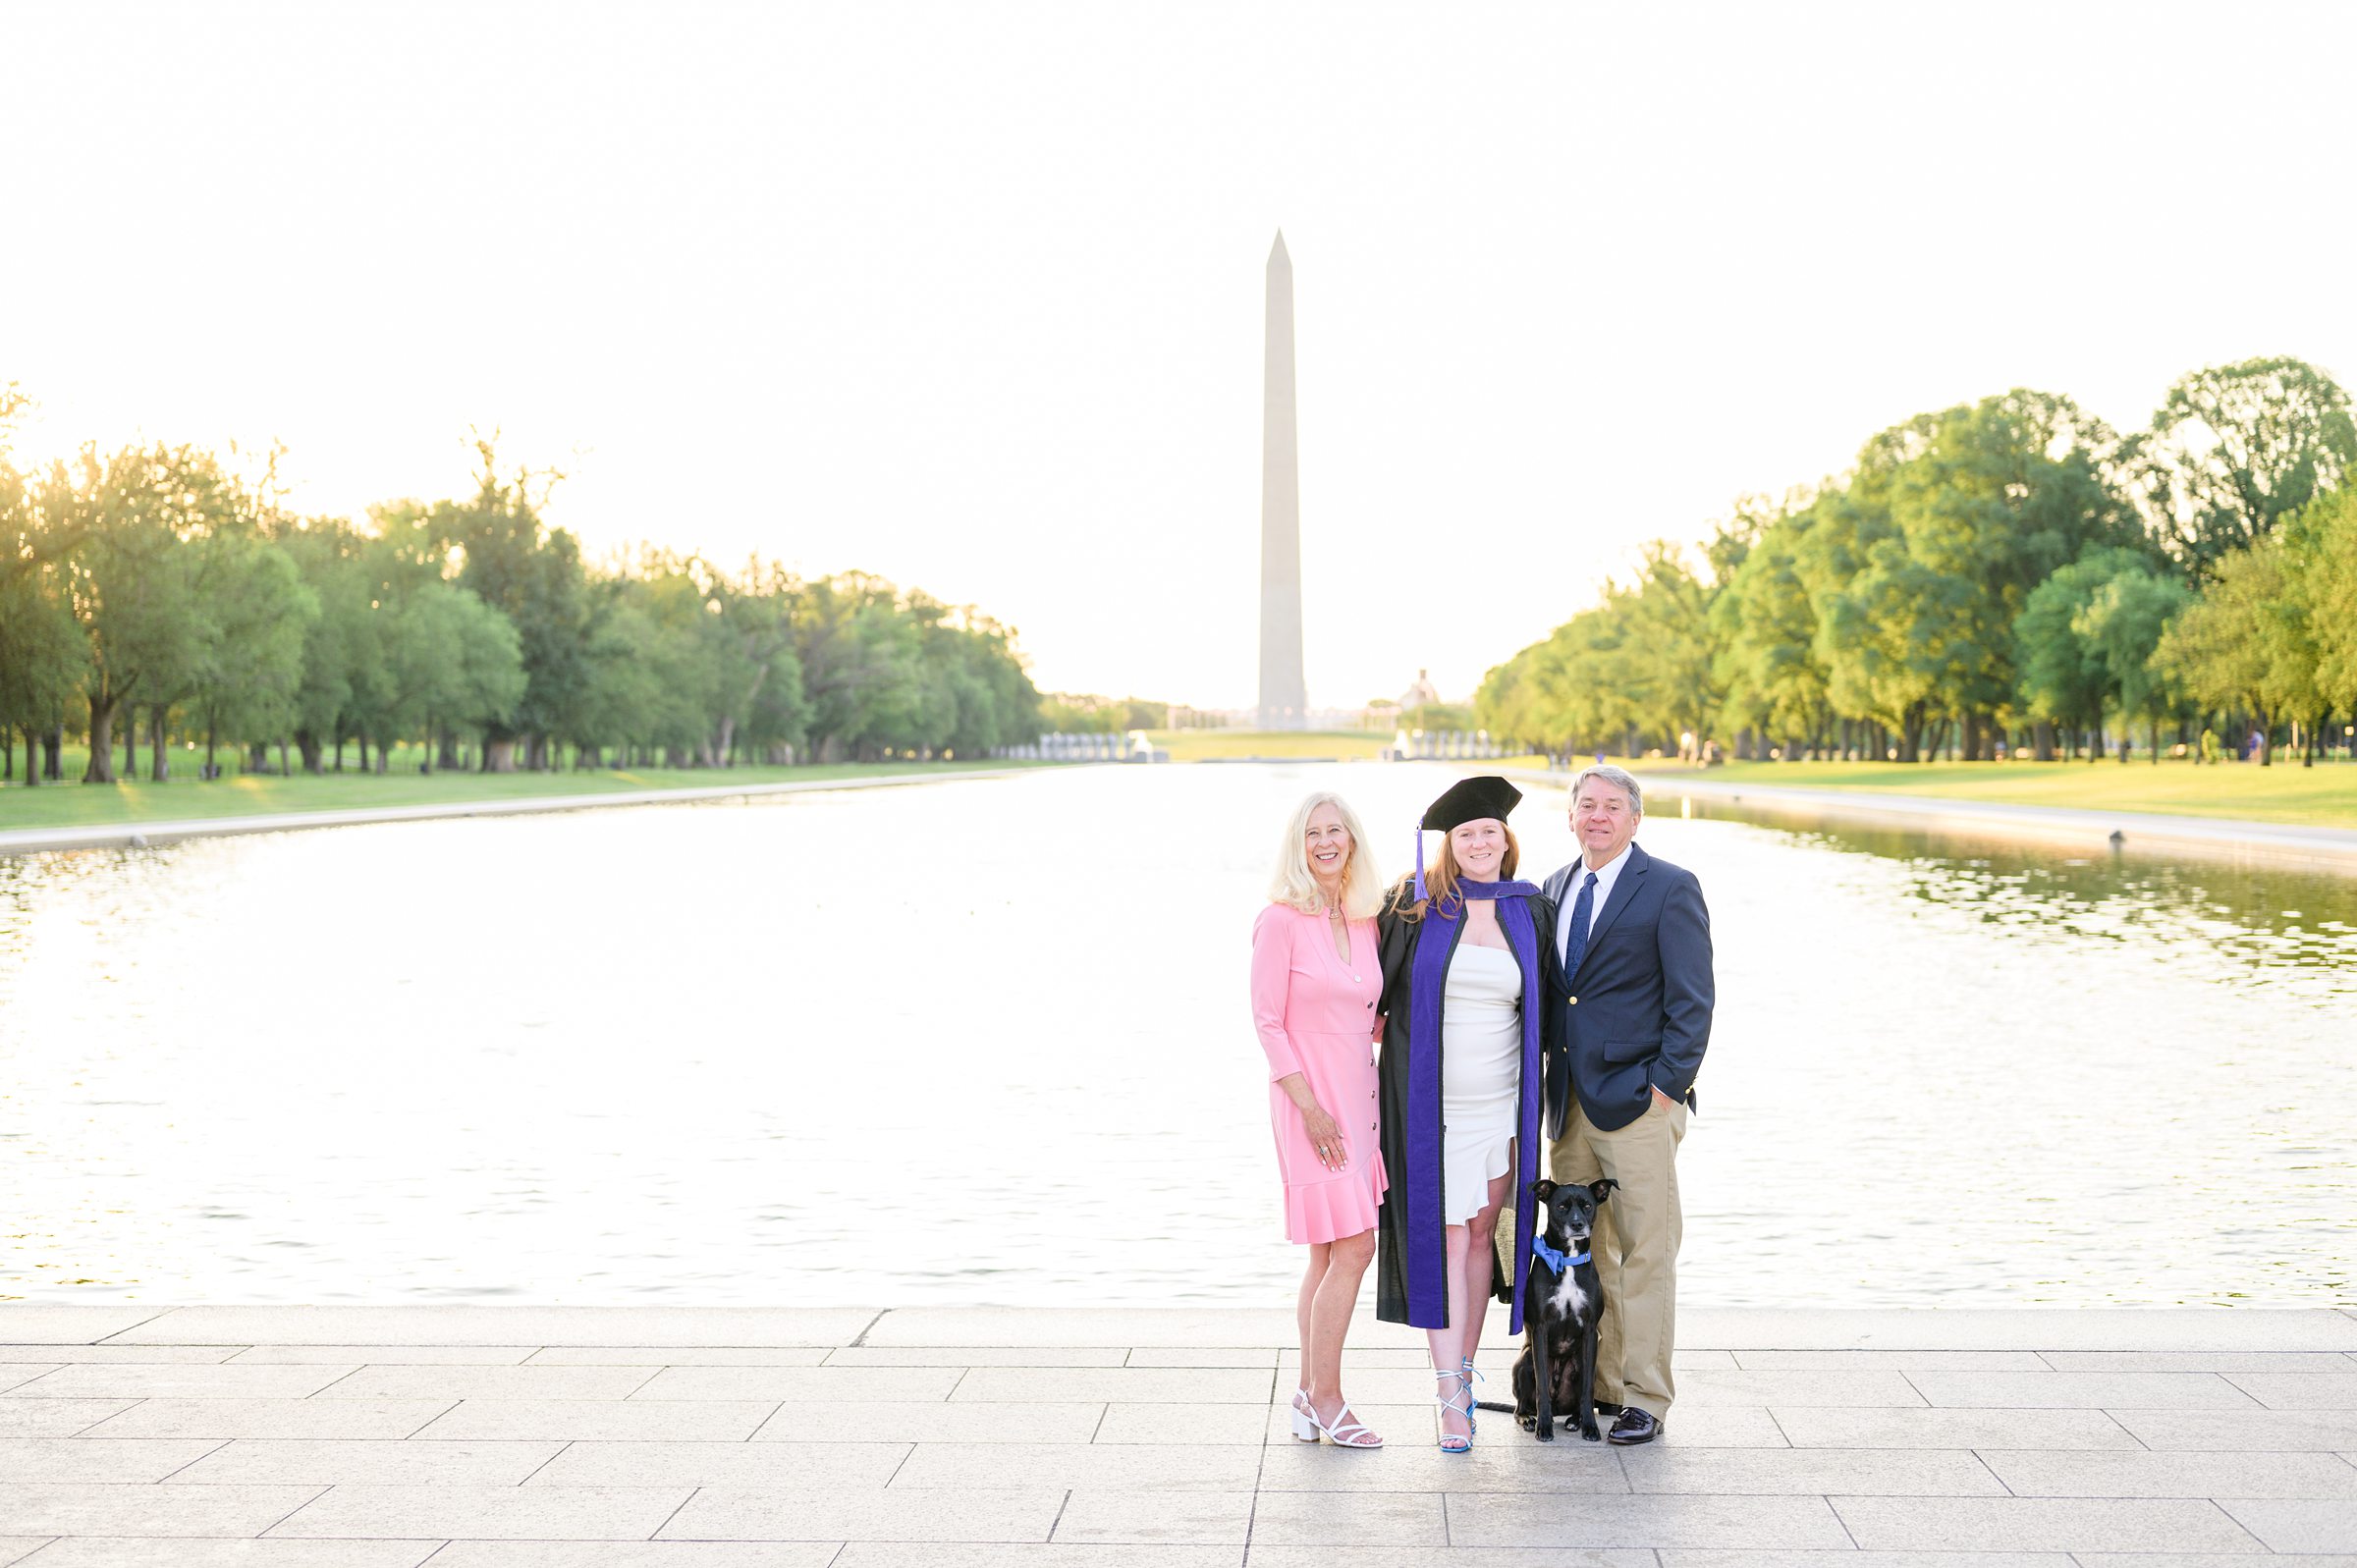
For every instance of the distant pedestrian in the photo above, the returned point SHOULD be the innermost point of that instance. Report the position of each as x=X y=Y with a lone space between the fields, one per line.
x=1317 y=978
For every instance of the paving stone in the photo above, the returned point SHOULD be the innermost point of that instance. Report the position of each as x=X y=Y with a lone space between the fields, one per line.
x=17 y=1375
x=640 y=1555
x=492 y=1383
x=65 y=1355
x=1653 y=1521
x=16 y=1548
x=55 y=1418
x=128 y=1460
x=2052 y=1429
x=1812 y=1472
x=386 y=1355
x=2257 y=1431
x=606 y=1420
x=2207 y=1559
x=1203 y=1385
x=2081 y=1390
x=493 y=1513
x=2174 y=1475
x=1872 y=1559
x=2229 y=1361
x=981 y=1356
x=270 y=1418
x=729 y=1514
x=374 y=1463
x=743 y=1466
x=176 y=1381
x=653 y=1356
x=100 y=1509
x=2202 y=1328
x=1134 y=1467
x=971 y=1554
x=792 y=1423
x=1370 y=1519
x=2306 y=1391
x=1513 y=1464
x=1184 y=1424
x=1832 y=1386
x=131 y=1552
x=1116 y=1327
x=1900 y=1361
x=847 y=1384
x=1401 y=1425
x=1259 y=1555
x=2296 y=1524
x=1108 y=1517
x=2033 y=1524
x=495 y=1325
x=35 y=1323
x=1173 y=1356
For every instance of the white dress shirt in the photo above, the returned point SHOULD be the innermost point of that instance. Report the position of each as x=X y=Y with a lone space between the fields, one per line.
x=1606 y=875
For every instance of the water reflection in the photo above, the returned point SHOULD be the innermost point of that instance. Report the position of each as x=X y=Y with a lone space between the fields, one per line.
x=2227 y=918
x=860 y=1048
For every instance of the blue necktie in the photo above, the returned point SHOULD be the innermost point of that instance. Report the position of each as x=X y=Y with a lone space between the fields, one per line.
x=1583 y=911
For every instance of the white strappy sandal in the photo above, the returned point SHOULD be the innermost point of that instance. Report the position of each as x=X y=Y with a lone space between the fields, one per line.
x=1347 y=1430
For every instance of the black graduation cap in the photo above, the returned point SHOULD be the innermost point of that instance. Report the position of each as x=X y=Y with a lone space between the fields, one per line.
x=1466 y=800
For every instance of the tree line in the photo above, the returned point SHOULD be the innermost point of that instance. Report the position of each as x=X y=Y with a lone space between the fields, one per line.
x=151 y=594
x=2010 y=574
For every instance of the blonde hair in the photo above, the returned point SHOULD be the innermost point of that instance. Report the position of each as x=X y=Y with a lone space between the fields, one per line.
x=1441 y=878
x=1296 y=888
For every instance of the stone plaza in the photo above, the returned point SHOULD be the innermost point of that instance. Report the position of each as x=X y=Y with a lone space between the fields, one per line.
x=477 y=1437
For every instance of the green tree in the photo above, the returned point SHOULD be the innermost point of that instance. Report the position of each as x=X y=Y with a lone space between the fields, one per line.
x=2122 y=624
x=2244 y=644
x=2235 y=448
x=2327 y=531
x=43 y=658
x=130 y=579
x=257 y=613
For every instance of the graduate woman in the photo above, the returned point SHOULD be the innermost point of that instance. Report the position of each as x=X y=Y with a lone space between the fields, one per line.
x=1467 y=955
x=1315 y=981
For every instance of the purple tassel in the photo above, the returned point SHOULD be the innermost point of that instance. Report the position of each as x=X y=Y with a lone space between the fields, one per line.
x=1421 y=895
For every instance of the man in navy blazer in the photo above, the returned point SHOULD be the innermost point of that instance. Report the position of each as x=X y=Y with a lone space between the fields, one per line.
x=1631 y=1022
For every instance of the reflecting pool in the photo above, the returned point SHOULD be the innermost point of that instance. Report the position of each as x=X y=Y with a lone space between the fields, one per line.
x=987 y=1042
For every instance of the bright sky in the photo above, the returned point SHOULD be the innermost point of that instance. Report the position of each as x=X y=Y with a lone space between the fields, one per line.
x=970 y=294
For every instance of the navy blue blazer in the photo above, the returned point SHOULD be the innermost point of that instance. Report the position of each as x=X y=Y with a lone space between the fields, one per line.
x=1637 y=1016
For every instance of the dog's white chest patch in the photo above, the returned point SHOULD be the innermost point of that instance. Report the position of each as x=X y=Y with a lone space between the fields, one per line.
x=1567 y=1300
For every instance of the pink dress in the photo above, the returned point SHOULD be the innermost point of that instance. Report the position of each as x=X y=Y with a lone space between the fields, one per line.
x=1315 y=1012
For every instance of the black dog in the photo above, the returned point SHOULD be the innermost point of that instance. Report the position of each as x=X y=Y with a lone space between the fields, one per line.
x=1563 y=1303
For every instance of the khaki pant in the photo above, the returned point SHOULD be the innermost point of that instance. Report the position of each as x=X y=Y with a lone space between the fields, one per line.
x=1635 y=1246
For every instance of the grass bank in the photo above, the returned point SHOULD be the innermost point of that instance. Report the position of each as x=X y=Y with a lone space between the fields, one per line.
x=2322 y=796
x=74 y=805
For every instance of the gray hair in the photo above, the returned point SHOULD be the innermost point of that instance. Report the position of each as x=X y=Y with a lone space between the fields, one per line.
x=1618 y=778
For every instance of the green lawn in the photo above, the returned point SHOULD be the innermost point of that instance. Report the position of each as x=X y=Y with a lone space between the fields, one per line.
x=1202 y=745
x=73 y=804
x=2325 y=795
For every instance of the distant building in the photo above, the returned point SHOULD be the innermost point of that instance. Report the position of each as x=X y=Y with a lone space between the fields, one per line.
x=1423 y=694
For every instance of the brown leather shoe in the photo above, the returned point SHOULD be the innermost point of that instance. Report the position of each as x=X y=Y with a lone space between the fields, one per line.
x=1634 y=1427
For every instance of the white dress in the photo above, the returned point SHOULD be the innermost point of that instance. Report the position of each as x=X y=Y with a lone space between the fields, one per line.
x=1481 y=1075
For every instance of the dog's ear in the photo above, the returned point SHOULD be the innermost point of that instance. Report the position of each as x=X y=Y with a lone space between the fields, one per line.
x=1543 y=1190
x=1602 y=1187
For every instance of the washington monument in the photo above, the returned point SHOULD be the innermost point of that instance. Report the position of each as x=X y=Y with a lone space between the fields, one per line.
x=1284 y=699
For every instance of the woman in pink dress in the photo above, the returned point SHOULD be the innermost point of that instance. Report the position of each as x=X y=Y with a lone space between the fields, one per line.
x=1316 y=978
